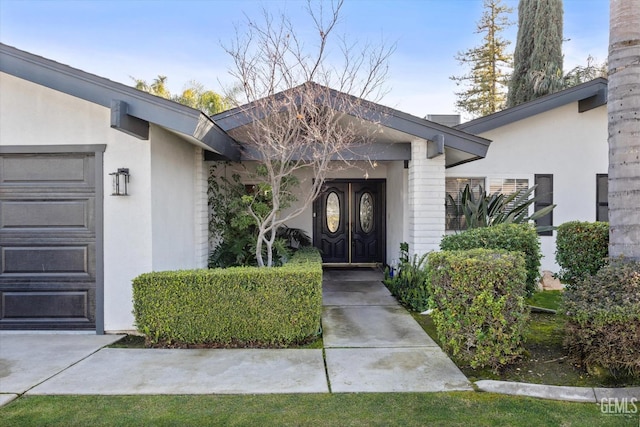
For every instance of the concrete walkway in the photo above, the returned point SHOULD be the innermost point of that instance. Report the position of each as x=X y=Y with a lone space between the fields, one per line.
x=371 y=343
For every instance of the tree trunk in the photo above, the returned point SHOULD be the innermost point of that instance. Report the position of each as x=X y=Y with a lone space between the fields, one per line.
x=623 y=109
x=259 y=241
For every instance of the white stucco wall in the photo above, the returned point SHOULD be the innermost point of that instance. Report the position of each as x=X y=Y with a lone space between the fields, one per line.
x=153 y=228
x=397 y=209
x=570 y=145
x=173 y=201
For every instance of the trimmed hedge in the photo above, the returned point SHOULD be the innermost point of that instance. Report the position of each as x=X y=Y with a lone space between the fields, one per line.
x=240 y=306
x=479 y=309
x=603 y=319
x=582 y=249
x=509 y=237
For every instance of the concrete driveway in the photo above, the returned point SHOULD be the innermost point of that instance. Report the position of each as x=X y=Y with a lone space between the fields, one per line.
x=28 y=359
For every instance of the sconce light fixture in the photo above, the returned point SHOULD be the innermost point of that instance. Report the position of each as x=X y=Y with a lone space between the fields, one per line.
x=120 y=182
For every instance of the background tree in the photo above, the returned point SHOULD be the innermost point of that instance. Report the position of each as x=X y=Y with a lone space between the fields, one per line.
x=584 y=73
x=193 y=95
x=196 y=96
x=157 y=87
x=296 y=122
x=624 y=128
x=537 y=61
x=486 y=82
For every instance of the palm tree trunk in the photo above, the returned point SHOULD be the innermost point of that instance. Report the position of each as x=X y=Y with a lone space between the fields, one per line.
x=623 y=109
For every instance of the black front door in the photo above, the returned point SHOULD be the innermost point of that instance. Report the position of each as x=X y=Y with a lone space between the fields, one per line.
x=349 y=221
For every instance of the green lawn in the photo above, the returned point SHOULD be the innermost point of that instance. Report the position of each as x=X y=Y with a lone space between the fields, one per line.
x=369 y=409
x=546 y=299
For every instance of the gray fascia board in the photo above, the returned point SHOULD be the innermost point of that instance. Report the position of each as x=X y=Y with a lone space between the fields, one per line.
x=29 y=149
x=101 y=91
x=452 y=138
x=375 y=151
x=537 y=106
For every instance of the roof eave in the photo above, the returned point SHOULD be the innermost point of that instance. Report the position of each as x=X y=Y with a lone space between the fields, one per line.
x=127 y=100
x=589 y=95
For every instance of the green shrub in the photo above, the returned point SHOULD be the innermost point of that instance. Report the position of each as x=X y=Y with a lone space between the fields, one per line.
x=581 y=249
x=248 y=306
x=509 y=237
x=603 y=319
x=478 y=301
x=408 y=281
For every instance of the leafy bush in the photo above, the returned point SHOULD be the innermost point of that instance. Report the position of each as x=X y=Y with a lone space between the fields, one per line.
x=235 y=229
x=508 y=237
x=581 y=249
x=244 y=306
x=479 y=309
x=603 y=319
x=408 y=282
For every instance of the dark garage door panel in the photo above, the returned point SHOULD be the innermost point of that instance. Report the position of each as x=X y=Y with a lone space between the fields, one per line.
x=47 y=241
x=37 y=261
x=49 y=170
x=64 y=305
x=67 y=214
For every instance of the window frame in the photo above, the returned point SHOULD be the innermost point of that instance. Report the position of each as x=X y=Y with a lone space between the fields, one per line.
x=538 y=204
x=599 y=202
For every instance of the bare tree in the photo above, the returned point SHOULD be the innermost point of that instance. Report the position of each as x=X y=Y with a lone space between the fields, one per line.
x=294 y=119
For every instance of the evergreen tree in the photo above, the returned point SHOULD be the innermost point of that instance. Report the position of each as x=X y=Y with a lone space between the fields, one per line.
x=537 y=69
x=485 y=91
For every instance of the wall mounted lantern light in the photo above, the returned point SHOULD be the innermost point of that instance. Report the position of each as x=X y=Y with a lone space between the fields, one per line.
x=120 y=182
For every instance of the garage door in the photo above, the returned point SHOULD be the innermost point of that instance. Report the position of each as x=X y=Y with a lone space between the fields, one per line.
x=48 y=241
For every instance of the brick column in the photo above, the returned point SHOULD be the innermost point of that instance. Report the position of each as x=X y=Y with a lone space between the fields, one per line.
x=201 y=211
x=426 y=199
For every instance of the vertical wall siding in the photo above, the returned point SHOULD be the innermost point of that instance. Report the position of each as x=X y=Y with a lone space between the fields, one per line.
x=426 y=199
x=201 y=210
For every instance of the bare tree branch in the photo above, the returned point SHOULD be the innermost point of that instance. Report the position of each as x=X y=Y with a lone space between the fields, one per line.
x=296 y=122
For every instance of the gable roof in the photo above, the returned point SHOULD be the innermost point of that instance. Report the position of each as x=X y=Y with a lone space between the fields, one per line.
x=399 y=127
x=589 y=95
x=131 y=109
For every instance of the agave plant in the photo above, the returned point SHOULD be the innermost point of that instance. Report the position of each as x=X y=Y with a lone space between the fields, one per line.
x=488 y=210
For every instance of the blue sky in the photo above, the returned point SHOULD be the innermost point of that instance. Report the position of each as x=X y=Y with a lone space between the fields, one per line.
x=182 y=39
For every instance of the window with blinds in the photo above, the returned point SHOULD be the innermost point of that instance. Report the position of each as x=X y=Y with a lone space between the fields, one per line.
x=454 y=218
x=507 y=186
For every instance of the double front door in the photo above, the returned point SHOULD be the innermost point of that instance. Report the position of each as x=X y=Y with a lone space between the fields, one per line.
x=349 y=222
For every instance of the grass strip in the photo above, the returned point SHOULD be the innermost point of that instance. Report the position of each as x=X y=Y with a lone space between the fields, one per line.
x=366 y=409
